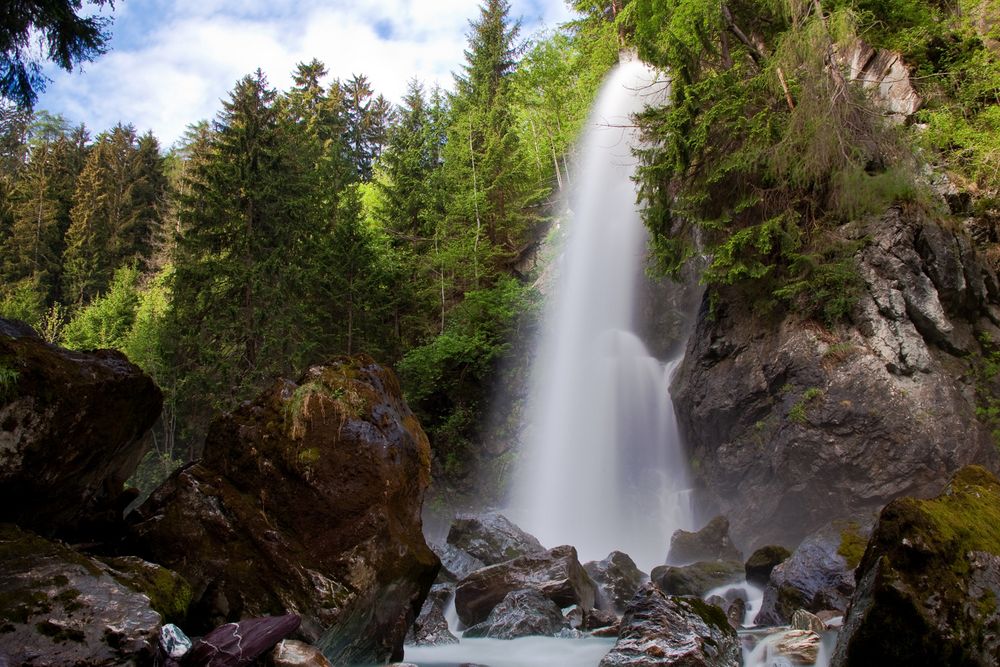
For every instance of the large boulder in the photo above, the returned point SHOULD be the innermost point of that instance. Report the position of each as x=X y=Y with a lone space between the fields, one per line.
x=697 y=578
x=658 y=629
x=59 y=607
x=72 y=430
x=455 y=563
x=710 y=543
x=817 y=577
x=308 y=501
x=556 y=573
x=790 y=424
x=617 y=578
x=929 y=582
x=522 y=613
x=491 y=538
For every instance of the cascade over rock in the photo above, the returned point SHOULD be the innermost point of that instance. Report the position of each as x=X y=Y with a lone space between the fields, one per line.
x=72 y=430
x=617 y=578
x=790 y=425
x=307 y=501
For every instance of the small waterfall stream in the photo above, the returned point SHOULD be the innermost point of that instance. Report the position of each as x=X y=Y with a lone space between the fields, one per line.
x=602 y=467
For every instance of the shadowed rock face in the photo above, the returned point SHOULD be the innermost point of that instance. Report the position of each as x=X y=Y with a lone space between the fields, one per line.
x=790 y=425
x=72 y=430
x=523 y=613
x=929 y=581
x=307 y=501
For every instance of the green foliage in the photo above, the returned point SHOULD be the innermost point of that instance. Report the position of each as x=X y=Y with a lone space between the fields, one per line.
x=852 y=544
x=107 y=321
x=764 y=149
x=8 y=381
x=797 y=413
x=22 y=301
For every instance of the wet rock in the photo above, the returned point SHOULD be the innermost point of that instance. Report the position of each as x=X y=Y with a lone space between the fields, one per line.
x=521 y=613
x=72 y=430
x=307 y=500
x=431 y=626
x=174 y=644
x=816 y=577
x=556 y=573
x=609 y=631
x=929 y=581
x=792 y=424
x=491 y=538
x=803 y=620
x=617 y=578
x=718 y=601
x=59 y=607
x=801 y=647
x=736 y=612
x=595 y=619
x=710 y=543
x=455 y=563
x=239 y=644
x=293 y=653
x=658 y=629
x=697 y=578
x=758 y=567
x=167 y=591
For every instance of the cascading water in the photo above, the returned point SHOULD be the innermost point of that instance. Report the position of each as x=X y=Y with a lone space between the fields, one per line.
x=603 y=468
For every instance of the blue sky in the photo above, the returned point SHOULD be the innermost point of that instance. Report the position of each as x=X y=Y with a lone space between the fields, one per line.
x=172 y=61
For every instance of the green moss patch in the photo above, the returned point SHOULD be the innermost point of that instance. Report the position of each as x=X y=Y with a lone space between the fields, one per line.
x=852 y=544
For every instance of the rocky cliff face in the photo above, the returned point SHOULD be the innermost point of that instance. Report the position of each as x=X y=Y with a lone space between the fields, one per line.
x=307 y=500
x=790 y=424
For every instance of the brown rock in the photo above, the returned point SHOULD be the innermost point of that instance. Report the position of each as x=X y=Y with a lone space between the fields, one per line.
x=307 y=500
x=72 y=430
x=710 y=543
x=292 y=653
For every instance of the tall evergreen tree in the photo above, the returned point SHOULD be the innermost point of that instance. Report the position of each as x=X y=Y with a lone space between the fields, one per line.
x=239 y=314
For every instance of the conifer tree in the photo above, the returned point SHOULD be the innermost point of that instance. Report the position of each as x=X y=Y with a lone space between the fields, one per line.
x=241 y=260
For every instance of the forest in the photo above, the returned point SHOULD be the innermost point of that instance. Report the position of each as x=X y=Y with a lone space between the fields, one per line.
x=300 y=225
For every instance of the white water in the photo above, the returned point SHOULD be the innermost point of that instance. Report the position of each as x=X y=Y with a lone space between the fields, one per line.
x=602 y=468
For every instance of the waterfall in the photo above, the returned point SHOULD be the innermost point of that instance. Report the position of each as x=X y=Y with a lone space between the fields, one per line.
x=602 y=467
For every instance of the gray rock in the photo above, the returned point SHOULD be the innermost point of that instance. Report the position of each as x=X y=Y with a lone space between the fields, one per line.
x=431 y=627
x=710 y=543
x=885 y=74
x=59 y=607
x=556 y=573
x=595 y=619
x=697 y=578
x=173 y=642
x=491 y=538
x=814 y=578
x=455 y=563
x=736 y=612
x=792 y=424
x=522 y=613
x=658 y=629
x=617 y=577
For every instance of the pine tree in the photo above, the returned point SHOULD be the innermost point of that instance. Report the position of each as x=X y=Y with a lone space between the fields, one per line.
x=241 y=259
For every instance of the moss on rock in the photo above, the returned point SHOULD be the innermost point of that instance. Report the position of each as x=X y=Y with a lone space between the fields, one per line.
x=929 y=580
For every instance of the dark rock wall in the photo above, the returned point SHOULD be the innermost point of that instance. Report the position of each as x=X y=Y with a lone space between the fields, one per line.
x=790 y=425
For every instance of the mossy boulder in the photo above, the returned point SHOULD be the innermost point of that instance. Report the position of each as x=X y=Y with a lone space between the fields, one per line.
x=758 y=567
x=72 y=430
x=659 y=629
x=60 y=607
x=307 y=500
x=929 y=581
x=167 y=591
x=697 y=578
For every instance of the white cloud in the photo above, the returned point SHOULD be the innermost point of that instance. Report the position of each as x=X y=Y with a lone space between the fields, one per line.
x=174 y=61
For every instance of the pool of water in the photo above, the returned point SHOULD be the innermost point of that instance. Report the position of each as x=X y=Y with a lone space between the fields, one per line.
x=524 y=652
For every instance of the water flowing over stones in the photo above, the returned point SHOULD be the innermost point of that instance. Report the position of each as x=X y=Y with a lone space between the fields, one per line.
x=603 y=467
